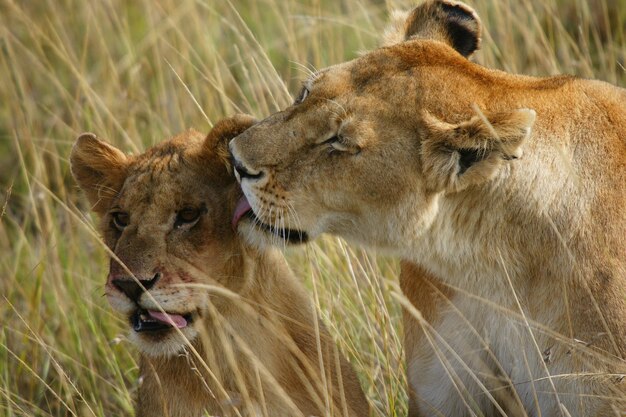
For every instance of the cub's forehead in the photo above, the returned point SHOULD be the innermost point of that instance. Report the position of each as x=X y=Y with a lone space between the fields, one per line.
x=165 y=175
x=164 y=158
x=169 y=157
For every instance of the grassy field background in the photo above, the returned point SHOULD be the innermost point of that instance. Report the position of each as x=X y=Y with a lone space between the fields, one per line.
x=137 y=72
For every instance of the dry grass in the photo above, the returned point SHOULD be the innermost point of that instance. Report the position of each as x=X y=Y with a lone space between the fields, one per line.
x=137 y=72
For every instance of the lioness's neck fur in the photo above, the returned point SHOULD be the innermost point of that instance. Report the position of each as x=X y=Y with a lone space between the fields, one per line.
x=515 y=254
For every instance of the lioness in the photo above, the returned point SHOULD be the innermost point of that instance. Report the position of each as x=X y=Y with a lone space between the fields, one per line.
x=221 y=326
x=503 y=194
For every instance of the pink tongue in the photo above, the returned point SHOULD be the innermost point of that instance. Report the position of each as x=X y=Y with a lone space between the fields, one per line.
x=174 y=320
x=242 y=208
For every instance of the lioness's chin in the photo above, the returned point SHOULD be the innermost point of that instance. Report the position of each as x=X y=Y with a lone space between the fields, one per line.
x=262 y=235
x=164 y=342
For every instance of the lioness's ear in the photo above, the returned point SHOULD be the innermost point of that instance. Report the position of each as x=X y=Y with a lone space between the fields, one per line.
x=216 y=142
x=457 y=156
x=99 y=169
x=448 y=21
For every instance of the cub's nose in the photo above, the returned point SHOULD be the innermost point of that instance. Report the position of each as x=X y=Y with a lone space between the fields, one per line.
x=131 y=288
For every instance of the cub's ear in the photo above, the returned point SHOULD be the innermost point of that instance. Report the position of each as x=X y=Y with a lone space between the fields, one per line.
x=99 y=169
x=457 y=156
x=448 y=21
x=216 y=142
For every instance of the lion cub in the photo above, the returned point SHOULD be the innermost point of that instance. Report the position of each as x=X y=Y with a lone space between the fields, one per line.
x=222 y=327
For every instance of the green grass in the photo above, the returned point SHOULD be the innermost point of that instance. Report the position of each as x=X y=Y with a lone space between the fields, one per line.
x=138 y=72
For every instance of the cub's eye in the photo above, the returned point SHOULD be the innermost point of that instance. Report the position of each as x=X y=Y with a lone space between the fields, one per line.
x=120 y=219
x=304 y=93
x=187 y=216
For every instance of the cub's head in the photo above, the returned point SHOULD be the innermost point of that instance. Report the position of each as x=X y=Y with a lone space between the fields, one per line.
x=166 y=220
x=369 y=146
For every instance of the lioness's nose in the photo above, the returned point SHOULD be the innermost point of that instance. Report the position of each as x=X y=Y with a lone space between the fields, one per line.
x=132 y=288
x=241 y=170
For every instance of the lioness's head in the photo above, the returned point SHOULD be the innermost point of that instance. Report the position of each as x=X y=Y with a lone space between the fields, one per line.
x=166 y=220
x=369 y=146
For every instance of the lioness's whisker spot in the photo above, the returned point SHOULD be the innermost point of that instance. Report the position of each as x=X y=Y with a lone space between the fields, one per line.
x=547 y=355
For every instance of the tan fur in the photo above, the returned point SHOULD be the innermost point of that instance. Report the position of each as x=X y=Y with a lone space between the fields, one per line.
x=253 y=345
x=505 y=192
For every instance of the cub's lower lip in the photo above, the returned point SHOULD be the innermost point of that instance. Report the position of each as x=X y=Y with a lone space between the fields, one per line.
x=154 y=321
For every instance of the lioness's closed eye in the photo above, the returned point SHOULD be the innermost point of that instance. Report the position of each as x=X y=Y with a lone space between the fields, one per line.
x=503 y=194
x=221 y=327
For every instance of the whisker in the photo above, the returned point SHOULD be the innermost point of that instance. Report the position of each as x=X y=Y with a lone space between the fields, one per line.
x=296 y=219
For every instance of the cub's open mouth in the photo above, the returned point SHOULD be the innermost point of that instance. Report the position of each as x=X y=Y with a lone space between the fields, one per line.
x=154 y=321
x=243 y=209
